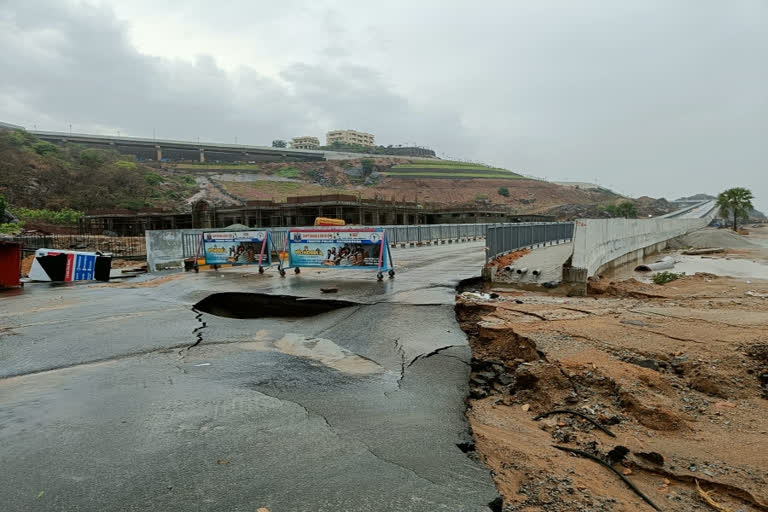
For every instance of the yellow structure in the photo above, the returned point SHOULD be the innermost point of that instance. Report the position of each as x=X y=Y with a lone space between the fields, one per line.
x=325 y=221
x=349 y=137
x=306 y=142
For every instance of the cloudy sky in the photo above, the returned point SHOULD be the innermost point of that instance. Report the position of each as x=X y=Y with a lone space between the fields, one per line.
x=661 y=98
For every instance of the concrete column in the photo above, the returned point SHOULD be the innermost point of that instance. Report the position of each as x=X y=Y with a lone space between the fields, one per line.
x=159 y=153
x=202 y=155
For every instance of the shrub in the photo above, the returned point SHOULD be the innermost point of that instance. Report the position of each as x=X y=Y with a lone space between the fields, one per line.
x=504 y=191
x=10 y=228
x=65 y=216
x=125 y=165
x=153 y=179
x=367 y=165
x=21 y=138
x=91 y=158
x=288 y=172
x=667 y=277
x=43 y=148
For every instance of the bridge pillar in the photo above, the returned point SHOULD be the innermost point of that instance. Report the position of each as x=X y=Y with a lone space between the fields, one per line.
x=159 y=151
x=202 y=155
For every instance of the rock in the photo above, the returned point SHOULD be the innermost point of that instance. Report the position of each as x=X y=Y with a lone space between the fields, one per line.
x=478 y=393
x=525 y=407
x=354 y=172
x=626 y=471
x=652 y=457
x=680 y=364
x=497 y=505
x=478 y=380
x=617 y=454
x=646 y=363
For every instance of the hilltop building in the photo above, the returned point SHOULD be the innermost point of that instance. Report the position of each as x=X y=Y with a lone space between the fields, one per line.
x=306 y=142
x=349 y=137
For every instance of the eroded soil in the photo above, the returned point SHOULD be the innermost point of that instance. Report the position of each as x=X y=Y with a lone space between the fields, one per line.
x=679 y=373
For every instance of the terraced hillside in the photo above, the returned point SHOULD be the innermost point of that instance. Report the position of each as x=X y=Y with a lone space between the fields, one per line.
x=448 y=170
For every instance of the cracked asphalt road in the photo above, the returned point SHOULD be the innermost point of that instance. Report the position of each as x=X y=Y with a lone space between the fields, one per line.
x=105 y=404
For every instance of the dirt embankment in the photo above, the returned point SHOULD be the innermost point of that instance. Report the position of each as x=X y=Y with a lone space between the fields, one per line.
x=678 y=373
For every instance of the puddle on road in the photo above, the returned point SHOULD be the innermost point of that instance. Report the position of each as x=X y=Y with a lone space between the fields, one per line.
x=328 y=353
x=732 y=267
x=318 y=350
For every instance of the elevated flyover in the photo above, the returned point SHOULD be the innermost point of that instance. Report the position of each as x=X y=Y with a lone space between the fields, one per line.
x=694 y=211
x=158 y=149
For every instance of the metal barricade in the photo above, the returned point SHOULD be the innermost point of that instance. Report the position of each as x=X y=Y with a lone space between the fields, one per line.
x=505 y=238
x=500 y=238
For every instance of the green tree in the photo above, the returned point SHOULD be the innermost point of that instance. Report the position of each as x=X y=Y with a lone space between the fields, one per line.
x=279 y=143
x=367 y=165
x=504 y=191
x=735 y=202
x=91 y=158
x=43 y=148
x=626 y=210
x=3 y=207
x=153 y=179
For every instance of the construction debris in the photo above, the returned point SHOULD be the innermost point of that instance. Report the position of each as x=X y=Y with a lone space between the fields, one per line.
x=664 y=263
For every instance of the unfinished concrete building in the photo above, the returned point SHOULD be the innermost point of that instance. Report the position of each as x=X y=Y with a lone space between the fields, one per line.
x=296 y=211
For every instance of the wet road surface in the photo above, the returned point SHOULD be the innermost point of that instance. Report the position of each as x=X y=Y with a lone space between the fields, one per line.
x=123 y=397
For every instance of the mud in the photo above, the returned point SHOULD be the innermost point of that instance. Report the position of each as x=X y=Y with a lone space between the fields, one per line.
x=678 y=373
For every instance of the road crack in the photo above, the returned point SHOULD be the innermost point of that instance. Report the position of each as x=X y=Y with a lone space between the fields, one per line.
x=197 y=331
x=401 y=352
x=430 y=354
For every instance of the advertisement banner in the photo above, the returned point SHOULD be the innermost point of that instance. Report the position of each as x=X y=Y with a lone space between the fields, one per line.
x=235 y=247
x=348 y=248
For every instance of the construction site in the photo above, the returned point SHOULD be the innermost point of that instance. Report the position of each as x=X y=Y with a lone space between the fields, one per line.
x=296 y=211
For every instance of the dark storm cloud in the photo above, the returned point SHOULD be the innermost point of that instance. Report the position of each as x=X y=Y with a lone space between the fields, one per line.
x=650 y=97
x=71 y=65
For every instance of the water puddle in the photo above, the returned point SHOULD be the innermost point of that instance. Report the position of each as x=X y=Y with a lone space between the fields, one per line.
x=717 y=265
x=327 y=353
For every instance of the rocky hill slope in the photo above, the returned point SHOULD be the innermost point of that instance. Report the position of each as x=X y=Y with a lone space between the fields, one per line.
x=37 y=174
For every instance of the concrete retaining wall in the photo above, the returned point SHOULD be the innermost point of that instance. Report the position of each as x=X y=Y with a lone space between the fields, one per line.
x=599 y=243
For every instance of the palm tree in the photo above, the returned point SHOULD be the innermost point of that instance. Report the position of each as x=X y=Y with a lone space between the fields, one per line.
x=736 y=202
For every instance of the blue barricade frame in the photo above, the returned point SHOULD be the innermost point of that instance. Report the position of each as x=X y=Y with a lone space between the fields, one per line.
x=247 y=247
x=343 y=248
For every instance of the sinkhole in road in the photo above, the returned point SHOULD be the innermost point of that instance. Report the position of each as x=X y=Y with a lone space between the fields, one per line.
x=262 y=305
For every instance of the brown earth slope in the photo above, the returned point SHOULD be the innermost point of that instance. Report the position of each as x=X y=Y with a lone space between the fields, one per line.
x=679 y=373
